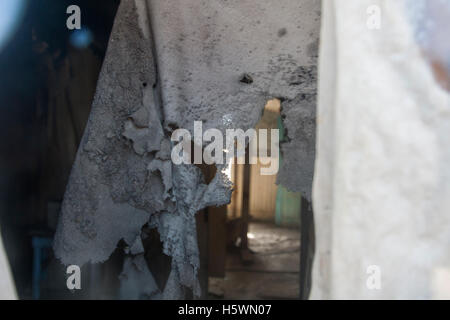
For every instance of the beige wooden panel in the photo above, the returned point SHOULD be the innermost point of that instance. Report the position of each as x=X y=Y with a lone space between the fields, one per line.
x=263 y=194
x=263 y=190
x=234 y=209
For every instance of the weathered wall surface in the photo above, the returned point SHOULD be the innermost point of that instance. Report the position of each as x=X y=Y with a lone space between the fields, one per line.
x=381 y=191
x=205 y=47
x=168 y=64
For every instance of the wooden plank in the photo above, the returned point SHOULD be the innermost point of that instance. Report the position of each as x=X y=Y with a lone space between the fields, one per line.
x=203 y=247
x=246 y=256
x=217 y=241
x=307 y=248
x=263 y=195
x=214 y=251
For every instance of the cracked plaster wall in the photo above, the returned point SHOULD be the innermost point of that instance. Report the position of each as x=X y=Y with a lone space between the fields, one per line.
x=168 y=64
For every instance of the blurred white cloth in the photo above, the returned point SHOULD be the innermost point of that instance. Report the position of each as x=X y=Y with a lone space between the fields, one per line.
x=382 y=177
x=7 y=288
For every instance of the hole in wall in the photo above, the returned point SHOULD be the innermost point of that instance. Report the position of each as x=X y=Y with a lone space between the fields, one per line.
x=262 y=238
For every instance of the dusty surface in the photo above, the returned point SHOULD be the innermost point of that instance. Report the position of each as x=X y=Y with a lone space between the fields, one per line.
x=123 y=178
x=170 y=63
x=206 y=49
x=274 y=273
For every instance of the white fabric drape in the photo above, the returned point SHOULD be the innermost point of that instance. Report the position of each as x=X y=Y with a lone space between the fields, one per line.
x=381 y=191
x=7 y=288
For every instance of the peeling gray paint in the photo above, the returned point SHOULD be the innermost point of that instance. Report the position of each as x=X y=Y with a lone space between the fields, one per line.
x=170 y=63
